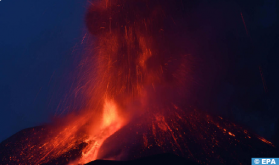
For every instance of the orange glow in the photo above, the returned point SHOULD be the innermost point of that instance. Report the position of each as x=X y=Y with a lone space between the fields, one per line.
x=110 y=115
x=231 y=134
x=266 y=141
x=130 y=74
x=111 y=122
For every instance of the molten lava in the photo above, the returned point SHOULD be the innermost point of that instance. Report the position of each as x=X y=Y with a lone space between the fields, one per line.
x=136 y=83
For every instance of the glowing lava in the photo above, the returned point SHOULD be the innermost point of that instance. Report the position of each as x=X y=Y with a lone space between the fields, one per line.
x=111 y=122
x=135 y=79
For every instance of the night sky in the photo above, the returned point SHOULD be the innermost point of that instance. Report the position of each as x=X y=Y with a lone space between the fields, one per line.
x=38 y=49
x=40 y=43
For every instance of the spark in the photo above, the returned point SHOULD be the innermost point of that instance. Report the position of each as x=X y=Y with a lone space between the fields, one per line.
x=244 y=24
x=85 y=35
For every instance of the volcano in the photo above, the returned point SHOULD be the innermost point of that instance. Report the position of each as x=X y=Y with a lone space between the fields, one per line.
x=137 y=82
x=195 y=137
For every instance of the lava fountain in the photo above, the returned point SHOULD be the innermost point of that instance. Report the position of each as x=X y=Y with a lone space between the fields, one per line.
x=137 y=79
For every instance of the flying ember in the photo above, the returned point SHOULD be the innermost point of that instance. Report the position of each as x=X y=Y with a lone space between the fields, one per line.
x=135 y=86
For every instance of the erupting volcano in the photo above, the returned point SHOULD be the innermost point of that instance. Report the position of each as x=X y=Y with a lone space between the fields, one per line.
x=135 y=84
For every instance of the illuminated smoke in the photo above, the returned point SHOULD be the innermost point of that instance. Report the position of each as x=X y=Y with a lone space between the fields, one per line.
x=136 y=82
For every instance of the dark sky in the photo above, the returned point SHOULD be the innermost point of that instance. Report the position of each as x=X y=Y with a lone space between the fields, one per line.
x=39 y=48
x=37 y=41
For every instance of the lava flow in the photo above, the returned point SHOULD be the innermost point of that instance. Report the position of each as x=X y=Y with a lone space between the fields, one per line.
x=137 y=80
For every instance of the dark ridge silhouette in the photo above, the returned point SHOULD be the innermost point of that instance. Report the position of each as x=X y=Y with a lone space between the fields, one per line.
x=193 y=135
x=230 y=150
x=151 y=160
